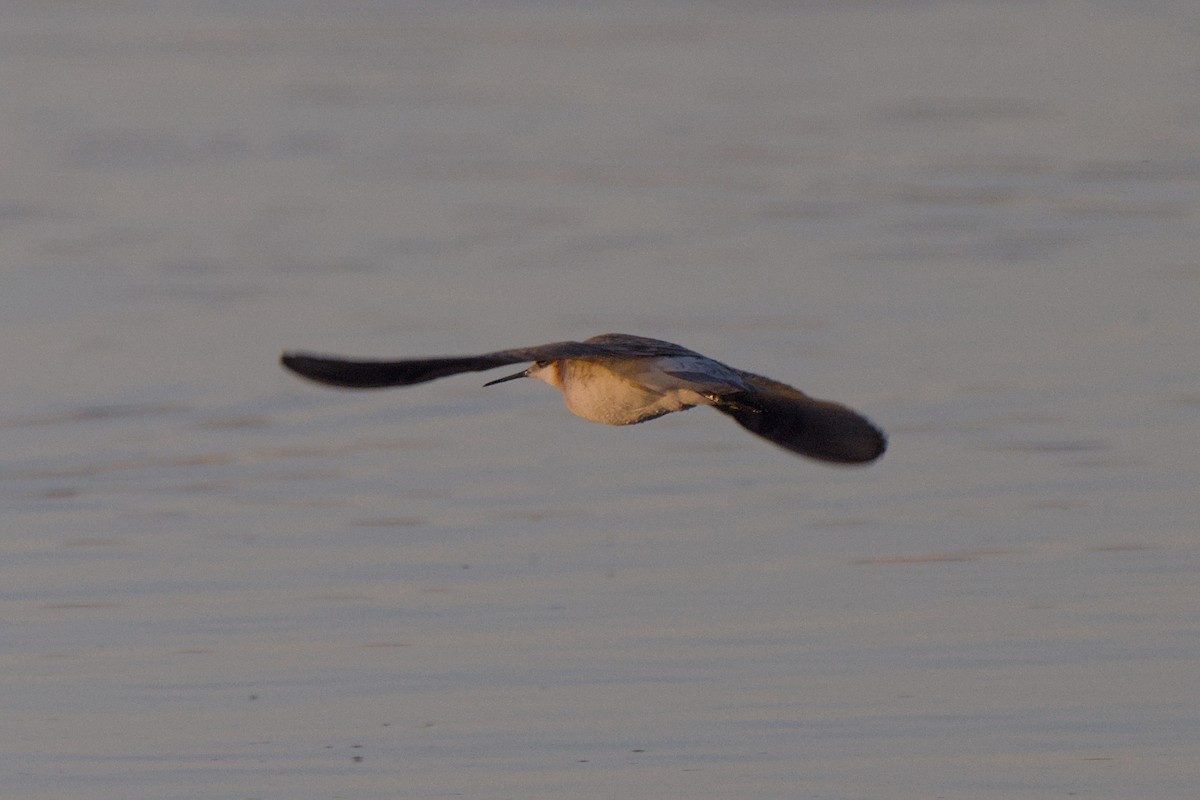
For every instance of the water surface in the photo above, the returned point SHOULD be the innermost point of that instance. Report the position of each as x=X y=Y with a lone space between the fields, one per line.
x=975 y=222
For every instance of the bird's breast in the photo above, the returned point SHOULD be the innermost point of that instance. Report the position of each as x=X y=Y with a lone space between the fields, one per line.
x=622 y=394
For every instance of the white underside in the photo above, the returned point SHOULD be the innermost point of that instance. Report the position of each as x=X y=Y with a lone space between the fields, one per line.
x=626 y=392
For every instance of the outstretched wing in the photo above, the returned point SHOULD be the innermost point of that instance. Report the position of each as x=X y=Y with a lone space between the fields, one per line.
x=368 y=374
x=817 y=429
x=626 y=345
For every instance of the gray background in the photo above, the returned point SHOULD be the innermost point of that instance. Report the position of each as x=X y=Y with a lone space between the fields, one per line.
x=976 y=222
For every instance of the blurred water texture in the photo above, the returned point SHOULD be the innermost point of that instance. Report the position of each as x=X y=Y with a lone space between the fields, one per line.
x=975 y=222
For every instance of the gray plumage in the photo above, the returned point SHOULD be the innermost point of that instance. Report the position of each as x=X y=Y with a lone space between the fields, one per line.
x=619 y=379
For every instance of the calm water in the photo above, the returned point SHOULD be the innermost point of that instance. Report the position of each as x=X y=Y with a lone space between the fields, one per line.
x=977 y=223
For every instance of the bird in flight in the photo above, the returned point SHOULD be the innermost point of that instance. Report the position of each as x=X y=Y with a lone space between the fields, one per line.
x=619 y=379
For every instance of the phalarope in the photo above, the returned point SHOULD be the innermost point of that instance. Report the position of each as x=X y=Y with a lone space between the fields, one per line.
x=619 y=379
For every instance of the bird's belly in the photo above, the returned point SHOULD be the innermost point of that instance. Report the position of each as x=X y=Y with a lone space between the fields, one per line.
x=625 y=403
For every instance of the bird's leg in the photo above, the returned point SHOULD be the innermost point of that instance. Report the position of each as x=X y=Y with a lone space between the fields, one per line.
x=732 y=403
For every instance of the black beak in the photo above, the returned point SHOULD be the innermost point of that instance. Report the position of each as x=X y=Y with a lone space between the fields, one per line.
x=522 y=374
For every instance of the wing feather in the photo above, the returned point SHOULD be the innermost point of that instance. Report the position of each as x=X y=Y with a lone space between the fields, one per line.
x=376 y=374
x=372 y=374
x=819 y=429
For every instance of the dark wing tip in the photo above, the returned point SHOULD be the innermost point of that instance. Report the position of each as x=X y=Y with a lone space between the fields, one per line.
x=818 y=429
x=318 y=368
x=342 y=372
x=297 y=362
x=366 y=374
x=290 y=360
x=824 y=431
x=847 y=437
